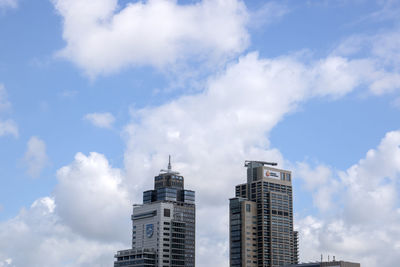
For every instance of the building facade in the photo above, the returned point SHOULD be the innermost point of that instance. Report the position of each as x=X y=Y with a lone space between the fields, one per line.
x=163 y=227
x=261 y=219
x=327 y=264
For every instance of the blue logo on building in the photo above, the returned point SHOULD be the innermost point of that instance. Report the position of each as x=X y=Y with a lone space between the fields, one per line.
x=149 y=230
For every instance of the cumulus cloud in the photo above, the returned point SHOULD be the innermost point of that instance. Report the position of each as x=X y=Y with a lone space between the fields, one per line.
x=155 y=32
x=364 y=227
x=209 y=135
x=372 y=182
x=35 y=156
x=320 y=182
x=240 y=106
x=92 y=200
x=8 y=4
x=102 y=120
x=83 y=224
x=212 y=132
x=38 y=237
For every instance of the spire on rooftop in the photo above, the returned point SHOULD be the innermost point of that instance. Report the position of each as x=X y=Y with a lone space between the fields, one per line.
x=169 y=169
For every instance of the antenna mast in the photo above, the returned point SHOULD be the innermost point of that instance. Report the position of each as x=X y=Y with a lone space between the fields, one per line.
x=169 y=169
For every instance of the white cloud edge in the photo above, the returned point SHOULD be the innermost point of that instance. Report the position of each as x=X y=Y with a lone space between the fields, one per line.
x=7 y=126
x=35 y=157
x=366 y=194
x=311 y=228
x=100 y=119
x=336 y=62
x=196 y=31
x=231 y=111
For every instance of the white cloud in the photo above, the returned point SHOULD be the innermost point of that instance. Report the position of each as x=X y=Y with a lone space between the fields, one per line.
x=83 y=224
x=6 y=262
x=102 y=120
x=372 y=182
x=383 y=50
x=7 y=127
x=209 y=134
x=38 y=237
x=155 y=32
x=365 y=225
x=8 y=4
x=35 y=156
x=321 y=183
x=268 y=13
x=92 y=200
x=313 y=178
x=386 y=47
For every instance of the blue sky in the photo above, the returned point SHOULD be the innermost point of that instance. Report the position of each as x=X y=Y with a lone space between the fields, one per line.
x=95 y=95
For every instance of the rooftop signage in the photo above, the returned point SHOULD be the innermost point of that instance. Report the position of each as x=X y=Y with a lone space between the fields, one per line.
x=271 y=174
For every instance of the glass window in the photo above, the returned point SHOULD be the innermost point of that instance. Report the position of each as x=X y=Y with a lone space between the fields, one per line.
x=248 y=207
x=167 y=213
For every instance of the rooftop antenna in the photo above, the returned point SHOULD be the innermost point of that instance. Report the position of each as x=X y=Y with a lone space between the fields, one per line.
x=169 y=170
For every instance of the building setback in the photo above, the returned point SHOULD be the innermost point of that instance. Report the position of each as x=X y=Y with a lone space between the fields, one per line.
x=163 y=227
x=261 y=219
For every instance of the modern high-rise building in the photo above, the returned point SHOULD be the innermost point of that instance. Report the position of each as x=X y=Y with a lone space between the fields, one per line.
x=163 y=227
x=261 y=219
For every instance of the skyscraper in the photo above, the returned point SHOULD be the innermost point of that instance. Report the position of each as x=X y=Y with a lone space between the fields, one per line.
x=163 y=227
x=261 y=218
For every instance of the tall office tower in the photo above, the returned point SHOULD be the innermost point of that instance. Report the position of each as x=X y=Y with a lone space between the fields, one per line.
x=261 y=219
x=163 y=227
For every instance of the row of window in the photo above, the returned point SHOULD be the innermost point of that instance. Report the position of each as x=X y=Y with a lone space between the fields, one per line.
x=161 y=177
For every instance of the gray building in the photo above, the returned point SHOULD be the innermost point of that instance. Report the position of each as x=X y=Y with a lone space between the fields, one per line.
x=327 y=264
x=163 y=227
x=261 y=219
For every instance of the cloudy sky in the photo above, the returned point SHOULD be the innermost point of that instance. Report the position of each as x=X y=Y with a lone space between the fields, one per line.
x=94 y=96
